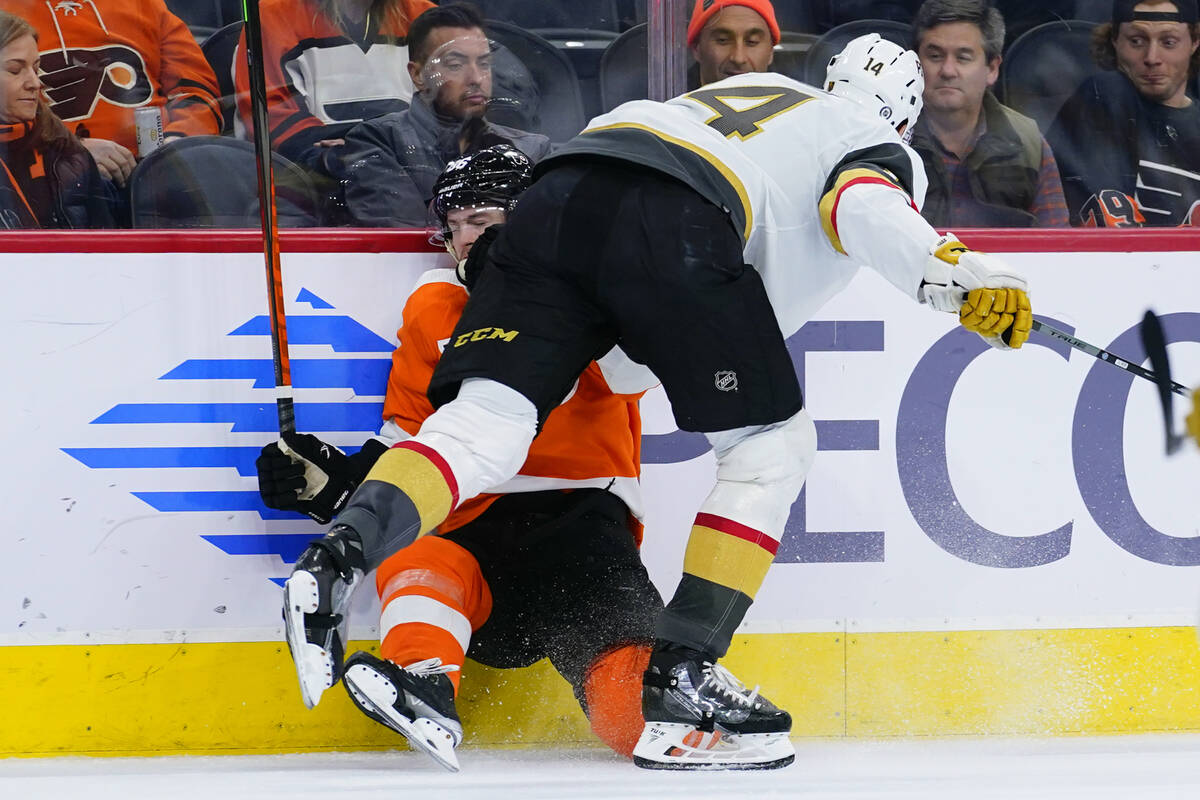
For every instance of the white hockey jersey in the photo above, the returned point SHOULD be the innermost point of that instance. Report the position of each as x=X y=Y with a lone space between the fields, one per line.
x=782 y=158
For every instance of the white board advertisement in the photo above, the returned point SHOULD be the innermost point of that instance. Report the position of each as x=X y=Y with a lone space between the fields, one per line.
x=956 y=487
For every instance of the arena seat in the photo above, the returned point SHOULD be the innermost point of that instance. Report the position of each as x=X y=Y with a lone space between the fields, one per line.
x=212 y=182
x=796 y=15
x=829 y=14
x=204 y=17
x=1044 y=66
x=623 y=69
x=219 y=49
x=545 y=97
x=540 y=15
x=832 y=41
x=1093 y=10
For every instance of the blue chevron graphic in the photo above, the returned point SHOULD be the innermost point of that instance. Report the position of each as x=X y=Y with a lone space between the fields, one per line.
x=362 y=377
x=343 y=334
x=238 y=458
x=213 y=501
x=249 y=417
x=288 y=546
x=365 y=376
x=306 y=296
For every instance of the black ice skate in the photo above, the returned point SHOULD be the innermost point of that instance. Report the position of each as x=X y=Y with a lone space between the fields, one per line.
x=699 y=716
x=316 y=604
x=416 y=702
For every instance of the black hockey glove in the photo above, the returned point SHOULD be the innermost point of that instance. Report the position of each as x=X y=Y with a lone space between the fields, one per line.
x=302 y=473
x=470 y=267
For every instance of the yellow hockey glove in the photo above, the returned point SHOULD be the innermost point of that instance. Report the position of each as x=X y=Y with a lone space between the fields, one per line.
x=989 y=297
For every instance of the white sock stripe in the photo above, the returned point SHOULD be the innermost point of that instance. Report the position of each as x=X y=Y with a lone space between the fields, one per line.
x=427 y=578
x=418 y=608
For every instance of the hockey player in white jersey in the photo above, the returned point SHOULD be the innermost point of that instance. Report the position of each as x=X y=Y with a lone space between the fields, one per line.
x=697 y=234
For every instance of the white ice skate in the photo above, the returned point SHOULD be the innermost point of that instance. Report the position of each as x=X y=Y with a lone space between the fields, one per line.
x=416 y=701
x=316 y=602
x=699 y=716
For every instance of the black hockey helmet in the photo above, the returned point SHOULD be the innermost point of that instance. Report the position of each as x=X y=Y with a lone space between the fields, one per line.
x=493 y=177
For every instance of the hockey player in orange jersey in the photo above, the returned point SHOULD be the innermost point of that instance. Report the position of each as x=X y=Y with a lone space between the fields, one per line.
x=103 y=59
x=545 y=565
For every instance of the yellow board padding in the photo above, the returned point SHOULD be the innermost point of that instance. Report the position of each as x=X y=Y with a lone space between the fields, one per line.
x=1043 y=683
x=162 y=699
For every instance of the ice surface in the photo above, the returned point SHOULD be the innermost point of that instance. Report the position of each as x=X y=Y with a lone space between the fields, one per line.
x=1097 y=768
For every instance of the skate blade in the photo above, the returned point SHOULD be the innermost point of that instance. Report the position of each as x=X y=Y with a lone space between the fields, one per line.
x=668 y=745
x=314 y=664
x=375 y=695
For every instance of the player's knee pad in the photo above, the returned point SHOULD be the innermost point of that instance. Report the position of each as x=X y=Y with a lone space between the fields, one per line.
x=484 y=434
x=760 y=470
x=613 y=688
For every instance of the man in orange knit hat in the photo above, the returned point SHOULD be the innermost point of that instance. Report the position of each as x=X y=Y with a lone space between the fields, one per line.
x=732 y=37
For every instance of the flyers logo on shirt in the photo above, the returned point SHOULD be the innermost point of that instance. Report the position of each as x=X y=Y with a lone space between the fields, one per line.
x=75 y=81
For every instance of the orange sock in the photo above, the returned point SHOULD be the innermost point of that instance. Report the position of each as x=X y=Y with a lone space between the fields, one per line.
x=613 y=688
x=433 y=597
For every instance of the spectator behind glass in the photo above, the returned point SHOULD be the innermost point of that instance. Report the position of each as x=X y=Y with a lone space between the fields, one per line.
x=732 y=37
x=47 y=178
x=329 y=65
x=392 y=162
x=988 y=166
x=1128 y=139
x=103 y=59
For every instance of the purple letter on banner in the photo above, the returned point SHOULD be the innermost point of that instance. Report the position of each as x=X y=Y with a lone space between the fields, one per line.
x=800 y=545
x=1098 y=446
x=925 y=475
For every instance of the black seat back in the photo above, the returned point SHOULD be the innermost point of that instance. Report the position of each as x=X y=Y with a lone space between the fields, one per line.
x=834 y=40
x=544 y=96
x=1044 y=66
x=219 y=50
x=624 y=74
x=212 y=182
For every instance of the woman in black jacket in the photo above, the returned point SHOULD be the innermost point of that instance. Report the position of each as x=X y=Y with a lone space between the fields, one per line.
x=47 y=178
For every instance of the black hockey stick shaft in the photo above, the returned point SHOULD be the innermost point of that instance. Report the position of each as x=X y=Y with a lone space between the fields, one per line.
x=1155 y=342
x=266 y=194
x=1107 y=357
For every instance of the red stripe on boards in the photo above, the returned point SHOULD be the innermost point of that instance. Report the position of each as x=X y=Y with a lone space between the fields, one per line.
x=386 y=240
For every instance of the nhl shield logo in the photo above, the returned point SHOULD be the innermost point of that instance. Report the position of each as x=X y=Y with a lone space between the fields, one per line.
x=726 y=381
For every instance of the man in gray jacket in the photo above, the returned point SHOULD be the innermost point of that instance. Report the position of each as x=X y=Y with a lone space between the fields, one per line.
x=390 y=163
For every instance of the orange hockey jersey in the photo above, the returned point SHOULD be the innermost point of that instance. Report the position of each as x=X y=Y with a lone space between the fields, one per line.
x=592 y=440
x=101 y=59
x=317 y=75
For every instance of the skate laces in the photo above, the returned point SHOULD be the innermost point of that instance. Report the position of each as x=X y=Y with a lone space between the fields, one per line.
x=429 y=667
x=724 y=682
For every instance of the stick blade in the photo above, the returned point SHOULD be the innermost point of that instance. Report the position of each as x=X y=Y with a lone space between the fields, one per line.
x=1155 y=343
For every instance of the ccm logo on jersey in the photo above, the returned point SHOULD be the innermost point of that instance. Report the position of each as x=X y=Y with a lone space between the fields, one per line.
x=485 y=333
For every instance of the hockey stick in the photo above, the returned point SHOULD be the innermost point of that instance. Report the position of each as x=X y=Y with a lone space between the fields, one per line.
x=1156 y=348
x=1107 y=357
x=266 y=193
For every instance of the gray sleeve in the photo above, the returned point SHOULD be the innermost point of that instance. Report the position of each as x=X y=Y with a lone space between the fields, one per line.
x=382 y=190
